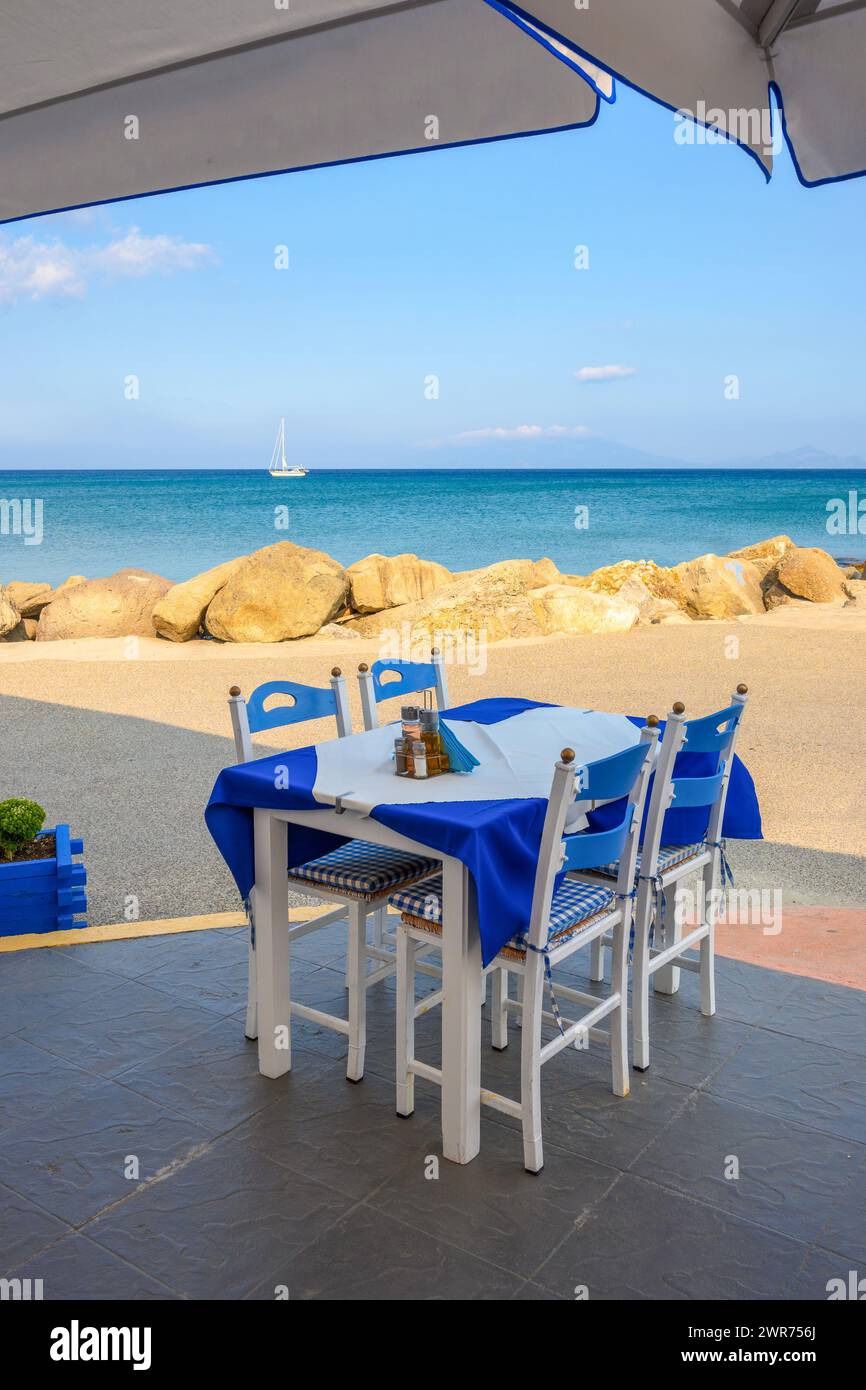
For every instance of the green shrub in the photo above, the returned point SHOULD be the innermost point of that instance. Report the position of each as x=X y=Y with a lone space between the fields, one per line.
x=20 y=822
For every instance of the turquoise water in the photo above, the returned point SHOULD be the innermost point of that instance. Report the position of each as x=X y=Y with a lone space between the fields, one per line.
x=179 y=523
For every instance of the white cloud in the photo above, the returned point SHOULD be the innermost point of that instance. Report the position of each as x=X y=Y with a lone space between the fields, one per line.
x=614 y=373
x=31 y=269
x=519 y=432
x=135 y=254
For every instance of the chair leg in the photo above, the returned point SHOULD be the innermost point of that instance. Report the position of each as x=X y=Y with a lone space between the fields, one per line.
x=406 y=951
x=499 y=1009
x=530 y=1062
x=357 y=969
x=378 y=927
x=708 y=945
x=519 y=1016
x=619 y=1017
x=666 y=980
x=596 y=960
x=640 y=983
x=251 y=1030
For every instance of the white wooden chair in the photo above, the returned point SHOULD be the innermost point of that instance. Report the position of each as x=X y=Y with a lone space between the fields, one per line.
x=409 y=678
x=658 y=938
x=563 y=920
x=357 y=877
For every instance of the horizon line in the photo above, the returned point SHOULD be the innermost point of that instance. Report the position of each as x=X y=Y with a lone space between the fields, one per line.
x=840 y=467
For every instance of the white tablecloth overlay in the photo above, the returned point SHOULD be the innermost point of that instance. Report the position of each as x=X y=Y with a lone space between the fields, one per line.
x=516 y=758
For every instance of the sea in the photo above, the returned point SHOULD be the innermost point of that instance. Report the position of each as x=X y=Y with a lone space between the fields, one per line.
x=178 y=523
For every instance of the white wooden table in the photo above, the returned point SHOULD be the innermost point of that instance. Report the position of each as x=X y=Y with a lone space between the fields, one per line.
x=461 y=965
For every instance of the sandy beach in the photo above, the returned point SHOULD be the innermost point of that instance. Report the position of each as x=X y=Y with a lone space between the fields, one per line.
x=125 y=740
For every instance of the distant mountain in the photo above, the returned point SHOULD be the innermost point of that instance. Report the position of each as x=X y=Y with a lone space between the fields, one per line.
x=593 y=451
x=804 y=457
x=590 y=451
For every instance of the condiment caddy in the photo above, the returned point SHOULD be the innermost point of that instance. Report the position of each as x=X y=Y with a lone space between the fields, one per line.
x=419 y=752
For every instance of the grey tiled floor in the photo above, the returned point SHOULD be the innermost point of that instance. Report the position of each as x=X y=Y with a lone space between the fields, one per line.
x=142 y=1156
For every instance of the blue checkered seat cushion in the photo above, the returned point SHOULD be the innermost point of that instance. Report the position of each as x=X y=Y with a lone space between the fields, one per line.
x=363 y=870
x=669 y=856
x=574 y=907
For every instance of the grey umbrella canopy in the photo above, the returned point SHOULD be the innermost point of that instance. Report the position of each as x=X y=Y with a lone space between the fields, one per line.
x=109 y=99
x=718 y=59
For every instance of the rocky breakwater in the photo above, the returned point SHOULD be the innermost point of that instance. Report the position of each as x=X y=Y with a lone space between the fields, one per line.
x=287 y=591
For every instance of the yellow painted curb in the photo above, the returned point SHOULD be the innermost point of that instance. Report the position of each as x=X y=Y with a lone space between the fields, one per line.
x=122 y=931
x=130 y=931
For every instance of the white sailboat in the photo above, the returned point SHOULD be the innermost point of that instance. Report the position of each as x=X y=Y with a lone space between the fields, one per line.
x=281 y=469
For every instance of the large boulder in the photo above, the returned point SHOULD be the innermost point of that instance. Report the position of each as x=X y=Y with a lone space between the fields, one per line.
x=493 y=602
x=9 y=615
x=662 y=584
x=118 y=606
x=538 y=572
x=765 y=555
x=504 y=600
x=388 y=581
x=809 y=574
x=278 y=593
x=650 y=608
x=29 y=599
x=715 y=586
x=564 y=608
x=179 y=615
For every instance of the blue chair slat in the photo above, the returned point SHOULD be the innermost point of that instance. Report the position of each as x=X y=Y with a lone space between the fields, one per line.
x=414 y=676
x=590 y=848
x=697 y=791
x=607 y=779
x=705 y=736
x=310 y=702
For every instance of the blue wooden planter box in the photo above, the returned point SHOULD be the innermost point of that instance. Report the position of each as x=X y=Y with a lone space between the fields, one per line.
x=40 y=895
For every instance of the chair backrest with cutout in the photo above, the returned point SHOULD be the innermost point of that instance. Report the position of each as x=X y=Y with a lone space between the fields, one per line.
x=303 y=702
x=407 y=678
x=714 y=735
x=623 y=775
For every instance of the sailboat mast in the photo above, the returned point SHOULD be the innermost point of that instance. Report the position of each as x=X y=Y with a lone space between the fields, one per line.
x=282 y=469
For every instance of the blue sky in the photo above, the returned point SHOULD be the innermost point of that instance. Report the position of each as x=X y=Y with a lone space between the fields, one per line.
x=457 y=263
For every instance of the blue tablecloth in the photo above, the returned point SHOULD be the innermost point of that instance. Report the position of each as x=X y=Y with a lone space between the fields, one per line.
x=498 y=841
